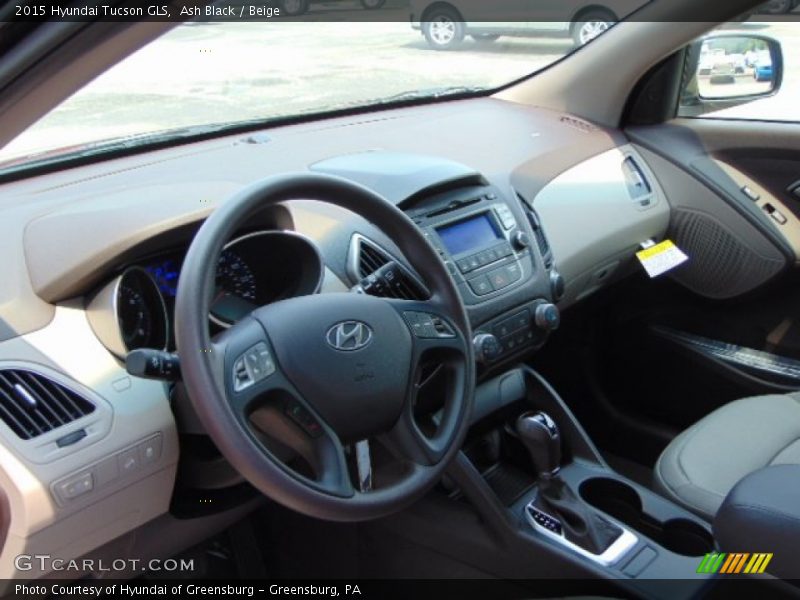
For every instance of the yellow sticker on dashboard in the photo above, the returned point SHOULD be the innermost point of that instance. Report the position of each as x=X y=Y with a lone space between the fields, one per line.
x=660 y=258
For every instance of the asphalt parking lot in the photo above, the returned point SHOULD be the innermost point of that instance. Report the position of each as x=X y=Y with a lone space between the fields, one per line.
x=211 y=72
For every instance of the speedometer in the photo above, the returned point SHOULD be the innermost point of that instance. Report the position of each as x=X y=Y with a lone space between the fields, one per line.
x=234 y=276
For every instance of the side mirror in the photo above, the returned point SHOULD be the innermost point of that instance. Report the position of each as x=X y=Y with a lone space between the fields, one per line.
x=729 y=69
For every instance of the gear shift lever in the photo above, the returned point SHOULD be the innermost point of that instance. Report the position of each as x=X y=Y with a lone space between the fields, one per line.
x=556 y=507
x=541 y=437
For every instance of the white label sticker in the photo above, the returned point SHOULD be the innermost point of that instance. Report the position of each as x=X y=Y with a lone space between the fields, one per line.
x=661 y=258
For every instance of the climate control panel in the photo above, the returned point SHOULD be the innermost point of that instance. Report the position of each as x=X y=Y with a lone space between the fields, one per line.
x=522 y=329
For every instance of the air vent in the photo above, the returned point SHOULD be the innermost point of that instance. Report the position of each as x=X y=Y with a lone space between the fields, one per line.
x=370 y=259
x=538 y=232
x=32 y=405
x=373 y=264
x=636 y=182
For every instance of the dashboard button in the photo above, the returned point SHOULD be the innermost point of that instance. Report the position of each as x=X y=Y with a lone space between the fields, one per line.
x=463 y=265
x=128 y=461
x=499 y=278
x=504 y=249
x=514 y=272
x=503 y=328
x=474 y=263
x=76 y=486
x=506 y=217
x=520 y=320
x=150 y=450
x=484 y=258
x=481 y=285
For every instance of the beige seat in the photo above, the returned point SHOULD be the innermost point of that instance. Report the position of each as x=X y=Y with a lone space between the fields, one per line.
x=702 y=464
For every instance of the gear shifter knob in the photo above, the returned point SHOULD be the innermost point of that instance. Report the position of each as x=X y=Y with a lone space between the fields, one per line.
x=540 y=436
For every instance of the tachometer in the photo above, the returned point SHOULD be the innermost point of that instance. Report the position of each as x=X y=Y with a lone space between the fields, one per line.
x=135 y=322
x=129 y=313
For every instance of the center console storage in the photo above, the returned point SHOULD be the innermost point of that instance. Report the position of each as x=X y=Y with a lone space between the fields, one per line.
x=620 y=501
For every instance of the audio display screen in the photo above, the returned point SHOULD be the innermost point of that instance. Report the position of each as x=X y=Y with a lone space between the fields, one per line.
x=470 y=234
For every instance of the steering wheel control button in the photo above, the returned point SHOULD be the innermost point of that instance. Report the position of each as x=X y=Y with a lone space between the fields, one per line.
x=251 y=367
x=425 y=325
x=481 y=285
x=303 y=418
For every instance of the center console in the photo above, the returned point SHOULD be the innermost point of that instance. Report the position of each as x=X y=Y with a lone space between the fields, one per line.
x=498 y=255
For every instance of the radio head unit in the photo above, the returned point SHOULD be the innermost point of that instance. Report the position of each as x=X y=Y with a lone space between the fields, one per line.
x=478 y=237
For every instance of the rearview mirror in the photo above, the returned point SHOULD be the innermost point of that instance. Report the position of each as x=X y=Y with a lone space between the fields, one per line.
x=730 y=69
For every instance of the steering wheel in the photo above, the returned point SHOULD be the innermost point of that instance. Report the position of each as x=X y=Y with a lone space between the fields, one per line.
x=310 y=376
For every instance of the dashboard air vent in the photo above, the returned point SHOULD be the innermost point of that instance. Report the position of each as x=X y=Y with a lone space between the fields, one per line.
x=370 y=259
x=538 y=232
x=31 y=404
x=381 y=274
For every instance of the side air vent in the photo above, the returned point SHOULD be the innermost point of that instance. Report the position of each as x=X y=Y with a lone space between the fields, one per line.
x=32 y=405
x=538 y=232
x=635 y=181
x=378 y=273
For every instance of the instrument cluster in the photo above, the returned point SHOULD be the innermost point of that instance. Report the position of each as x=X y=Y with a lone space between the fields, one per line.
x=136 y=308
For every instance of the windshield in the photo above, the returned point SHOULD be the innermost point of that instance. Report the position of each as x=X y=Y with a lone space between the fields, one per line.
x=204 y=74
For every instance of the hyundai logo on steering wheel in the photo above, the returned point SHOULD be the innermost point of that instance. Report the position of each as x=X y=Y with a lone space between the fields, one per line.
x=348 y=336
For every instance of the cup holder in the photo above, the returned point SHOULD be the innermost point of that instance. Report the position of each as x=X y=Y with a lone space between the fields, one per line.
x=622 y=502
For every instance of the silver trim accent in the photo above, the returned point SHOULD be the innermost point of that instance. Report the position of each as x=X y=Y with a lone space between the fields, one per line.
x=25 y=395
x=615 y=552
x=364 y=464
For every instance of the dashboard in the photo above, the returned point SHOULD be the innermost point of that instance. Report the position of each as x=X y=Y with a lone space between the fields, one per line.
x=530 y=210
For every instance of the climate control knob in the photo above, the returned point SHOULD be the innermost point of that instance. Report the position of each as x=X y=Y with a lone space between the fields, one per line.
x=487 y=347
x=547 y=316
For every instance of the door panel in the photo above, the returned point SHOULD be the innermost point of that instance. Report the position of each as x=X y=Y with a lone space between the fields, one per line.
x=725 y=325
